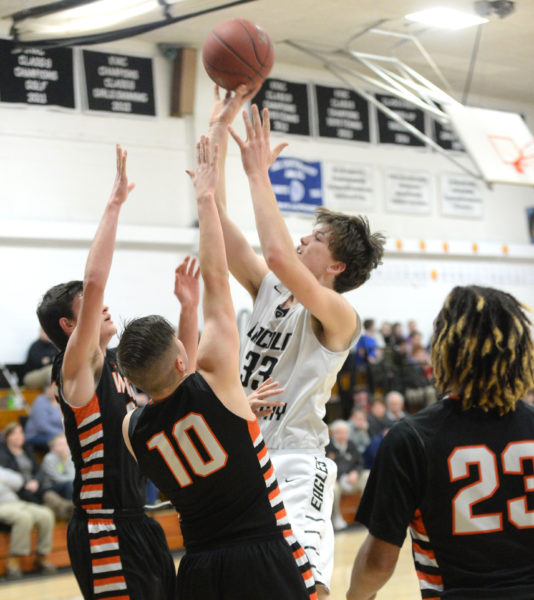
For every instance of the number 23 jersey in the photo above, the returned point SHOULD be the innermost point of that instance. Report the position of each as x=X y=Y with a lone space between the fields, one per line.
x=463 y=482
x=280 y=343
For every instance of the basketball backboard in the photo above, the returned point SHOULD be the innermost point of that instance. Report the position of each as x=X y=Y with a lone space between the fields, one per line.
x=499 y=143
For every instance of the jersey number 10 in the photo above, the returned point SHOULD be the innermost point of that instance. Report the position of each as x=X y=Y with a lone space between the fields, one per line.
x=512 y=457
x=198 y=465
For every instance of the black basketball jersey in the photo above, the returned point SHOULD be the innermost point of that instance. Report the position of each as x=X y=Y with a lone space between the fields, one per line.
x=107 y=477
x=212 y=464
x=463 y=481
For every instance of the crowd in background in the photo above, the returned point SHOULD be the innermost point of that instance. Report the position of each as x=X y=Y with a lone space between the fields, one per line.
x=387 y=375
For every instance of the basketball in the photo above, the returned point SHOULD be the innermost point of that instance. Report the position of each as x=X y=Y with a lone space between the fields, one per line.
x=238 y=52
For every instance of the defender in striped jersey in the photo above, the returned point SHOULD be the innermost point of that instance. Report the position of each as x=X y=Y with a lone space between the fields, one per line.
x=116 y=551
x=458 y=474
x=200 y=443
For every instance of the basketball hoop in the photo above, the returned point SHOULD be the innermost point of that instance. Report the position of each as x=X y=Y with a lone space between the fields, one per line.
x=510 y=153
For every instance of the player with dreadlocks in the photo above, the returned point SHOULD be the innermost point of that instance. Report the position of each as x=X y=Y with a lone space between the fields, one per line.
x=459 y=473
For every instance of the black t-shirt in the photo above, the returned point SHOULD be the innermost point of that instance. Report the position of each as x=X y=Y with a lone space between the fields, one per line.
x=463 y=482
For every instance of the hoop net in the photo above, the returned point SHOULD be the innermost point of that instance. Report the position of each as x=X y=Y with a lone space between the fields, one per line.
x=512 y=154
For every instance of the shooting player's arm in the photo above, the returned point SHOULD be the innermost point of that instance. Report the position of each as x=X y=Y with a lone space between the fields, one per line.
x=245 y=265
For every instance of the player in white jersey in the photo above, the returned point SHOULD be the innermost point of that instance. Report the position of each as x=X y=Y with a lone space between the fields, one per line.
x=301 y=327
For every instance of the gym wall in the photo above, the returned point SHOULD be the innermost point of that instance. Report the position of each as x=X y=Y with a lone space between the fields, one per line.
x=57 y=172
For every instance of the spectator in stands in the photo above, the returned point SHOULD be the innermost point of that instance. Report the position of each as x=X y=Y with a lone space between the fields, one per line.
x=415 y=344
x=366 y=345
x=38 y=369
x=18 y=456
x=385 y=334
x=370 y=452
x=397 y=336
x=412 y=329
x=395 y=406
x=361 y=398
x=418 y=377
x=529 y=397
x=377 y=419
x=351 y=477
x=22 y=517
x=44 y=421
x=58 y=475
x=359 y=430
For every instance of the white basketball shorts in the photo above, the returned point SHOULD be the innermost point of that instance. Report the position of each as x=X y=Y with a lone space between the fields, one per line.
x=307 y=485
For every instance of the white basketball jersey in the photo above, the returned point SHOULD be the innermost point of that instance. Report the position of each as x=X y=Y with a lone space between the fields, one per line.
x=280 y=343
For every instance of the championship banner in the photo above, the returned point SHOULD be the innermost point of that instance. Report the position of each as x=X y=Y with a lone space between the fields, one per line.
x=392 y=132
x=343 y=114
x=297 y=184
x=119 y=84
x=35 y=76
x=288 y=106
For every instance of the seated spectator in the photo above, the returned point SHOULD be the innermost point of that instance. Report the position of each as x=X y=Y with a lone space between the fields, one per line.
x=384 y=334
x=395 y=406
x=396 y=338
x=361 y=398
x=351 y=477
x=418 y=380
x=370 y=453
x=38 y=369
x=22 y=517
x=359 y=430
x=377 y=418
x=412 y=329
x=18 y=456
x=529 y=397
x=44 y=421
x=58 y=475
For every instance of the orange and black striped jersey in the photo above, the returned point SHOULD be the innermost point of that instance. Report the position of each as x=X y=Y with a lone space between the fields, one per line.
x=462 y=483
x=107 y=478
x=214 y=467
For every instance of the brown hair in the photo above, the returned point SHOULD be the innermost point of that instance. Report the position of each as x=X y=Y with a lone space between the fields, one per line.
x=353 y=243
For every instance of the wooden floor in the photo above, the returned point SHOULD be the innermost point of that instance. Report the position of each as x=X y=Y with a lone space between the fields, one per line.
x=402 y=586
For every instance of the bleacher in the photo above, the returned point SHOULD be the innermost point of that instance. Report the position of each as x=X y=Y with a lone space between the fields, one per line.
x=59 y=557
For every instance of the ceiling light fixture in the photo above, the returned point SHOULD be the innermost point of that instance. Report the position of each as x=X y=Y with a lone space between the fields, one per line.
x=446 y=18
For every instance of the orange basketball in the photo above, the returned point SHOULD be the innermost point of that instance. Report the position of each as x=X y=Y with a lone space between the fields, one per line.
x=238 y=52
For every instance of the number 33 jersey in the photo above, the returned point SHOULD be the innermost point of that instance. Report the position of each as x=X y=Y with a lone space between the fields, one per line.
x=280 y=343
x=463 y=482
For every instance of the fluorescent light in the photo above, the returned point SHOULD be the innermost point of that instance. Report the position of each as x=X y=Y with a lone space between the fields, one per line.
x=446 y=18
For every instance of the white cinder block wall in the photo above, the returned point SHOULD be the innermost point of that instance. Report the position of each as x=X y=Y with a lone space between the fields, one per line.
x=57 y=169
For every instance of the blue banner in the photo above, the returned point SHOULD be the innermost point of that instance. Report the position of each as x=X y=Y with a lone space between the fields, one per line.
x=297 y=184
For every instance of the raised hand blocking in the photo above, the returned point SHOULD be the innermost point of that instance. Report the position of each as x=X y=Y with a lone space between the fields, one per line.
x=121 y=186
x=206 y=174
x=186 y=284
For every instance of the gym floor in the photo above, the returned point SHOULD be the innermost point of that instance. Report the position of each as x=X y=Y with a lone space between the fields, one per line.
x=402 y=586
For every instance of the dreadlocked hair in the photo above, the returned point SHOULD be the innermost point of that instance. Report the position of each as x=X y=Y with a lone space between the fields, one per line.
x=482 y=349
